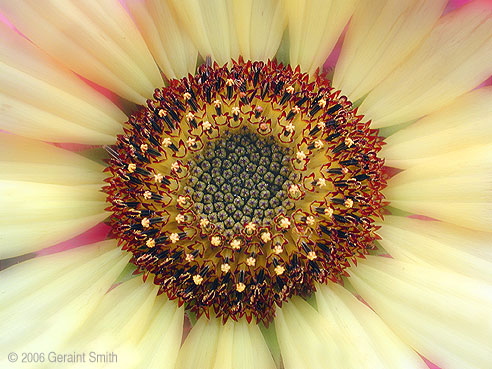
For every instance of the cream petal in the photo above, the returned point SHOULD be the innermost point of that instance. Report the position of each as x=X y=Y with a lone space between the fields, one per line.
x=141 y=329
x=314 y=28
x=209 y=24
x=29 y=160
x=307 y=340
x=46 y=299
x=160 y=344
x=453 y=187
x=365 y=334
x=172 y=48
x=43 y=100
x=452 y=60
x=96 y=39
x=439 y=244
x=233 y=345
x=380 y=36
x=445 y=316
x=465 y=122
x=260 y=26
x=38 y=215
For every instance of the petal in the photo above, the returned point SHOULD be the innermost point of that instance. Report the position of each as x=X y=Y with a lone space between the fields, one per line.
x=365 y=334
x=29 y=160
x=224 y=30
x=443 y=315
x=307 y=340
x=452 y=60
x=454 y=187
x=464 y=122
x=171 y=47
x=260 y=26
x=314 y=28
x=439 y=244
x=96 y=39
x=233 y=345
x=46 y=299
x=210 y=26
x=40 y=214
x=41 y=99
x=143 y=330
x=380 y=36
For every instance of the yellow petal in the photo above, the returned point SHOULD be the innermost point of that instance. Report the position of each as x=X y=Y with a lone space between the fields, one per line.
x=260 y=26
x=314 y=28
x=452 y=60
x=43 y=100
x=29 y=160
x=210 y=26
x=365 y=335
x=380 y=36
x=463 y=123
x=453 y=187
x=171 y=47
x=96 y=39
x=445 y=316
x=46 y=299
x=38 y=215
x=438 y=244
x=307 y=340
x=235 y=345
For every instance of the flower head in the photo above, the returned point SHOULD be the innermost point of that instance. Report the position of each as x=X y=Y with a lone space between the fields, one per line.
x=248 y=192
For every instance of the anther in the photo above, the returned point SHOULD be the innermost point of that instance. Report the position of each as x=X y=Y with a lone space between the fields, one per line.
x=197 y=279
x=145 y=222
x=251 y=261
x=279 y=270
x=174 y=237
x=225 y=268
x=284 y=223
x=236 y=244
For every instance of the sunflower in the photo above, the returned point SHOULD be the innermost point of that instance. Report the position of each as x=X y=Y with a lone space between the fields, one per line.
x=265 y=208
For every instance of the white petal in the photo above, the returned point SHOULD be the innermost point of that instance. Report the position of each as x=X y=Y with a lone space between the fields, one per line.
x=441 y=244
x=234 y=345
x=314 y=28
x=96 y=39
x=380 y=36
x=34 y=161
x=43 y=100
x=465 y=122
x=445 y=316
x=260 y=26
x=172 y=48
x=38 y=215
x=46 y=299
x=210 y=26
x=455 y=58
x=307 y=340
x=454 y=187
x=365 y=334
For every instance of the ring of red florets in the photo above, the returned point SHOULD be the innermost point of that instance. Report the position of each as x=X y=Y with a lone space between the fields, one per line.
x=161 y=203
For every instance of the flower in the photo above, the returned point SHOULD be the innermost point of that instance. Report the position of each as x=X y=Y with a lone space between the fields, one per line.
x=247 y=193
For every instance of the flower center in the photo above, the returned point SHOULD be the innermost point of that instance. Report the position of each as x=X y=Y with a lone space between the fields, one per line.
x=239 y=187
x=240 y=179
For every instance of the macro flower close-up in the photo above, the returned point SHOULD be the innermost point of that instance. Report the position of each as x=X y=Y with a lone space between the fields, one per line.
x=246 y=184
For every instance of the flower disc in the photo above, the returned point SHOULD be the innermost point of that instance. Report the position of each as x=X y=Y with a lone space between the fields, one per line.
x=239 y=187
